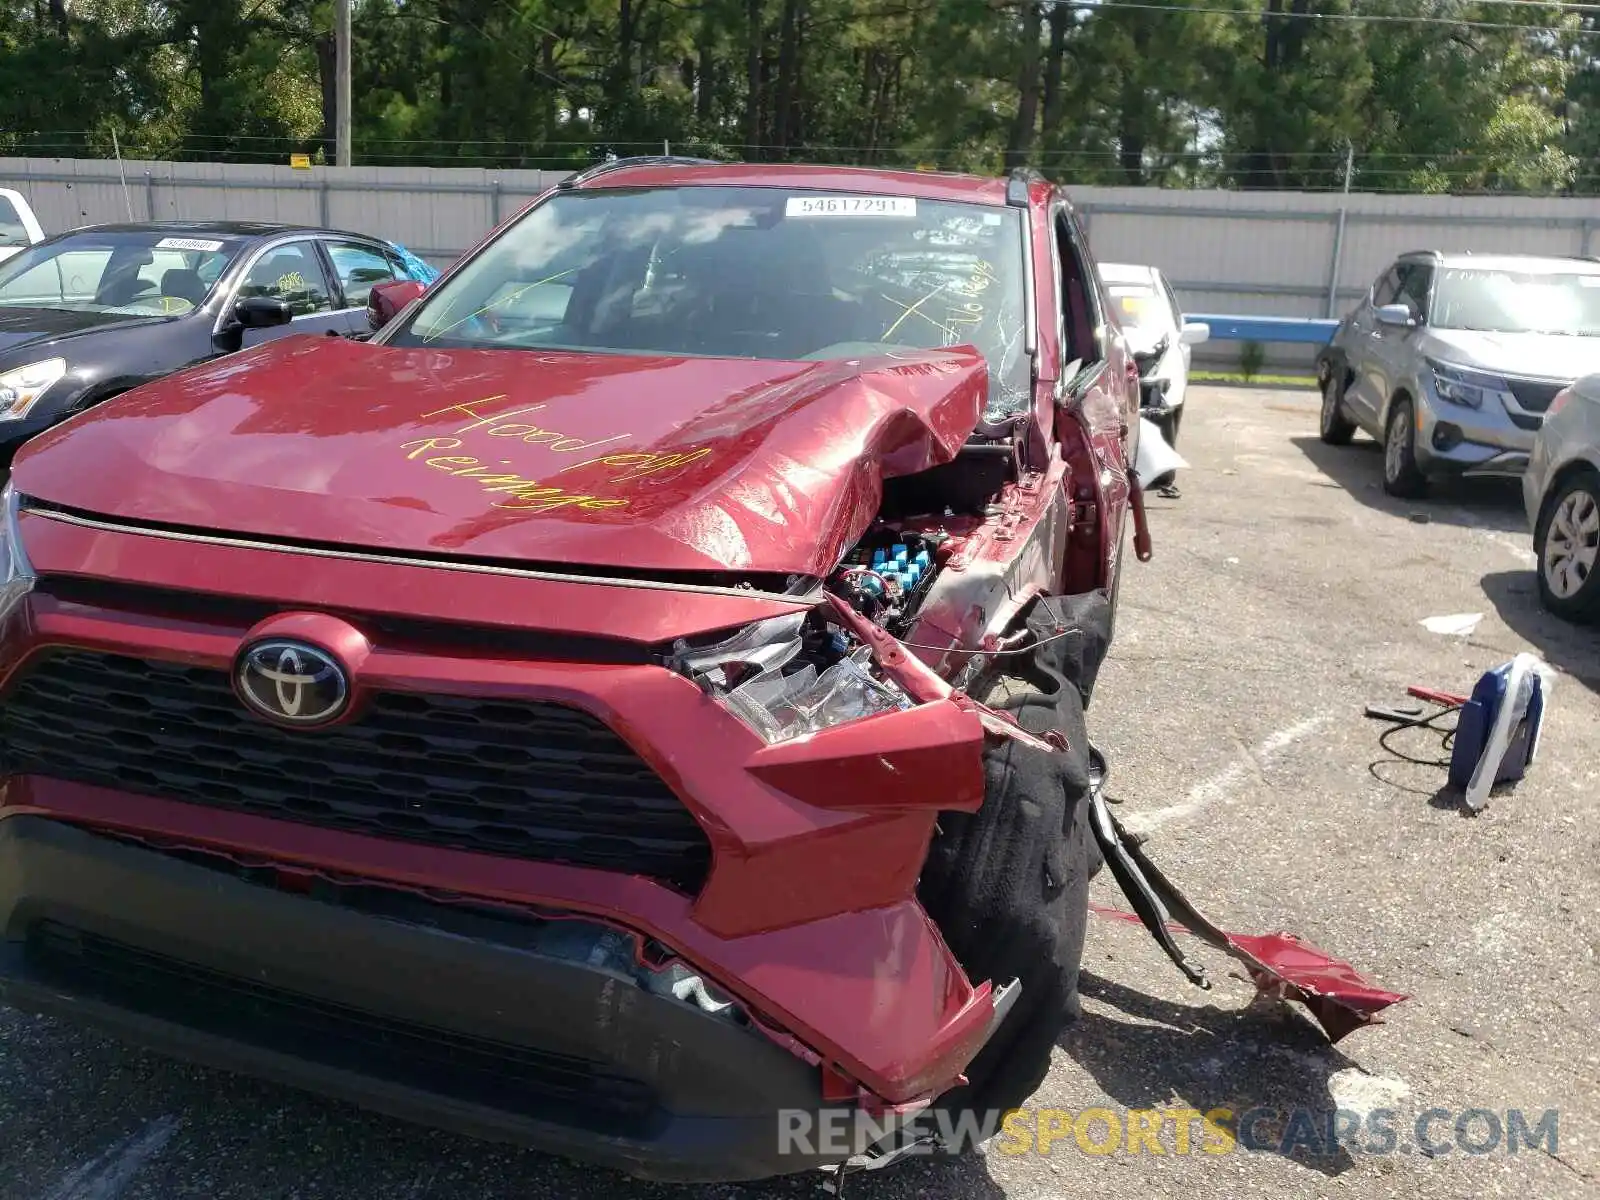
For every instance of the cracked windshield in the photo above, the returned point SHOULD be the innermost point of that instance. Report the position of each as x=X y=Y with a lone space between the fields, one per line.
x=745 y=273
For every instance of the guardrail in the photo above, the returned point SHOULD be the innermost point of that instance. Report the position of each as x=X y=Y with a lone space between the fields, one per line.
x=1307 y=330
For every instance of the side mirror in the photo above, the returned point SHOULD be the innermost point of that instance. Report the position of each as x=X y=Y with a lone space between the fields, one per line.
x=262 y=312
x=386 y=300
x=1194 y=332
x=1396 y=315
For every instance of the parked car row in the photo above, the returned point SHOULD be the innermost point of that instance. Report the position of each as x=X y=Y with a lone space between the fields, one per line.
x=1474 y=365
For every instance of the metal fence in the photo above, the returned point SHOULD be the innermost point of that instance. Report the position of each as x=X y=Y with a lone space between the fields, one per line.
x=1292 y=254
x=436 y=212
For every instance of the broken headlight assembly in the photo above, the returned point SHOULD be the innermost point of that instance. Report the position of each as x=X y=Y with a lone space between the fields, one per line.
x=16 y=573
x=790 y=676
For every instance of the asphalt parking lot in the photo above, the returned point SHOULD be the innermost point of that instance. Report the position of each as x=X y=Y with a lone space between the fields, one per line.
x=1286 y=592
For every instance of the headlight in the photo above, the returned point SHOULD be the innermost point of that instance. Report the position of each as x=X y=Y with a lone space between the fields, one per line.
x=755 y=676
x=16 y=574
x=19 y=389
x=1471 y=389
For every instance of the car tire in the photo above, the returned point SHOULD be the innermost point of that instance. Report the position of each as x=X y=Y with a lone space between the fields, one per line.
x=1336 y=428
x=1566 y=543
x=1401 y=475
x=1008 y=888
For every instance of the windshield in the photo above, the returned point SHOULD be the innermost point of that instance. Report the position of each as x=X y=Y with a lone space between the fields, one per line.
x=1142 y=309
x=138 y=273
x=1517 y=302
x=736 y=272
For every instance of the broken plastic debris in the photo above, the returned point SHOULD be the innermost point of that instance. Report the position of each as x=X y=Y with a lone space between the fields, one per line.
x=1459 y=624
x=781 y=707
x=1279 y=964
x=1282 y=965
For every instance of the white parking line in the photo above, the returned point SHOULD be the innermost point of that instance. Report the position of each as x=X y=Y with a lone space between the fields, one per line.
x=105 y=1176
x=1213 y=788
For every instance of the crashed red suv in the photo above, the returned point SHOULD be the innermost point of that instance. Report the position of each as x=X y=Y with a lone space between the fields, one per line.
x=638 y=693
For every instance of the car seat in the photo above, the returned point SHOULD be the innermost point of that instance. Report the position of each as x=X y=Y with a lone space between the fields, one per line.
x=768 y=293
x=185 y=285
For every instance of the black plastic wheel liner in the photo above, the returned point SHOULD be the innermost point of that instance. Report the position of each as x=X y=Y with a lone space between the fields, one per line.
x=1008 y=885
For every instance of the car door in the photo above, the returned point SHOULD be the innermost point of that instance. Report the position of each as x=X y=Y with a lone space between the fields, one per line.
x=292 y=271
x=1099 y=391
x=358 y=267
x=1365 y=396
x=1393 y=347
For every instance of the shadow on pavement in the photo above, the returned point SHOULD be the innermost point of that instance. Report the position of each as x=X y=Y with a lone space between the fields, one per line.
x=1267 y=1067
x=1572 y=649
x=1494 y=504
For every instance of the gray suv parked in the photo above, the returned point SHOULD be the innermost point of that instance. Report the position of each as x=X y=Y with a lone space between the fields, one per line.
x=1453 y=359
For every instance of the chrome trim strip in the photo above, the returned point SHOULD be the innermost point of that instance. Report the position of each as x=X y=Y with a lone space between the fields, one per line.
x=812 y=595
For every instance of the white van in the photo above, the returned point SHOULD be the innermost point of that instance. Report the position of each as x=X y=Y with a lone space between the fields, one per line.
x=18 y=226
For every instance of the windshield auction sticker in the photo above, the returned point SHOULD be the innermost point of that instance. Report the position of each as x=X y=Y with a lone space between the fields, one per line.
x=850 y=206
x=177 y=243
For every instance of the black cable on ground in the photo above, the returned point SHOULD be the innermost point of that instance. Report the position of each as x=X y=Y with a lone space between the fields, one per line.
x=1447 y=737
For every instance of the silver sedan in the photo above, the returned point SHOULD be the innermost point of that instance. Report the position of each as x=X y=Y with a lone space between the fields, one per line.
x=1561 y=490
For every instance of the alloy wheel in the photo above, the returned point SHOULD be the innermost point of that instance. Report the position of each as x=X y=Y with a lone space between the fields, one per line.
x=1394 y=448
x=1572 y=544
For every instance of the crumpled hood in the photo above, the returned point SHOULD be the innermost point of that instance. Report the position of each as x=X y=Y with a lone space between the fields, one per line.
x=1541 y=355
x=643 y=464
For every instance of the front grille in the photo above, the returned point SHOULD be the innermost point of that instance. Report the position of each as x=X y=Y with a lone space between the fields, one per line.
x=523 y=779
x=504 y=1076
x=1533 y=394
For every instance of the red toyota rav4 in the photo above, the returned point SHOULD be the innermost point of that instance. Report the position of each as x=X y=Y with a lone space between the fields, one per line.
x=637 y=694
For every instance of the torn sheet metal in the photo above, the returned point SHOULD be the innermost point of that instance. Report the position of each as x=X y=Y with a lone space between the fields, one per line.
x=1279 y=964
x=921 y=682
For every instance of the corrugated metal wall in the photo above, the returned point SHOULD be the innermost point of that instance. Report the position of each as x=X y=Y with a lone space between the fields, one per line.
x=1259 y=253
x=435 y=212
x=1273 y=253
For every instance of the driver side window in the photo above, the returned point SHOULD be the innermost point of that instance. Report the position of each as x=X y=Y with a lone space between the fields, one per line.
x=1081 y=318
x=292 y=273
x=1387 y=287
x=1415 y=279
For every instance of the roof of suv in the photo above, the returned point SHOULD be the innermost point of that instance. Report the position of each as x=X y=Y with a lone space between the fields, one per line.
x=1551 y=263
x=923 y=185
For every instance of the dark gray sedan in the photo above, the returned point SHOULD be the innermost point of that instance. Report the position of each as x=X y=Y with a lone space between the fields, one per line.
x=90 y=313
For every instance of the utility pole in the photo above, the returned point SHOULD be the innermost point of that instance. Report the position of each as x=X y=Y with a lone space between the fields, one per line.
x=1337 y=265
x=341 y=71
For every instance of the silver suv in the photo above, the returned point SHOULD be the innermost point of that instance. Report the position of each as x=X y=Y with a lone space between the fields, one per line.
x=1453 y=359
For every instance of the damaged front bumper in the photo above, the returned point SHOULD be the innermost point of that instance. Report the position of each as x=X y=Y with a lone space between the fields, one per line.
x=544 y=1033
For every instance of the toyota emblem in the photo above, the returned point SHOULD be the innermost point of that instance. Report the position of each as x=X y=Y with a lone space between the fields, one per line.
x=292 y=683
